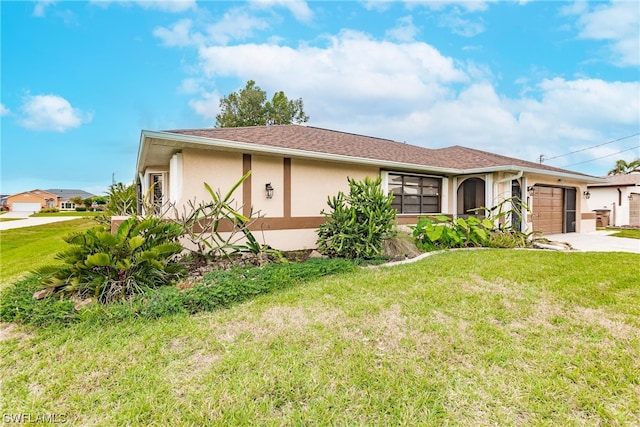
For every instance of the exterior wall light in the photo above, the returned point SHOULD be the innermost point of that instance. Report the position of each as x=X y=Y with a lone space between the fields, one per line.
x=531 y=191
x=269 y=189
x=586 y=194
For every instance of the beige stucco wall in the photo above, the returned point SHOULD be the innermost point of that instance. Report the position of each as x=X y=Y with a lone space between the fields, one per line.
x=313 y=181
x=221 y=170
x=265 y=169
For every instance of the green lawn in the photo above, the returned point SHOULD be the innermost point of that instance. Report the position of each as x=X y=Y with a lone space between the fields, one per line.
x=484 y=337
x=23 y=249
x=69 y=213
x=628 y=233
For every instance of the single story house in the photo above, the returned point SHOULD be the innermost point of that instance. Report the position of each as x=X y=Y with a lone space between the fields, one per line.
x=616 y=201
x=296 y=168
x=34 y=200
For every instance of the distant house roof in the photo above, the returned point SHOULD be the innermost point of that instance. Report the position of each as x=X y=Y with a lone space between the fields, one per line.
x=68 y=194
x=331 y=144
x=37 y=192
x=625 y=180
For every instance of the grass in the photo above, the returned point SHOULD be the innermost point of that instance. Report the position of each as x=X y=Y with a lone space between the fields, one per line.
x=23 y=249
x=9 y=219
x=484 y=337
x=629 y=233
x=69 y=213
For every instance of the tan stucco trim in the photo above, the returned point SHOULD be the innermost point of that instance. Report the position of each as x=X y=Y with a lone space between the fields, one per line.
x=246 y=186
x=287 y=187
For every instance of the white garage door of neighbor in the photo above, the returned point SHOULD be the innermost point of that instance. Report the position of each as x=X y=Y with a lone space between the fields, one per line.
x=26 y=207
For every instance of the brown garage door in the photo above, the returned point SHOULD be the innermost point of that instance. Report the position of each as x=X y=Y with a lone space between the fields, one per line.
x=547 y=209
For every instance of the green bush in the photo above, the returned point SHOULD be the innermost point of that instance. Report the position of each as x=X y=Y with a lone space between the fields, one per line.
x=18 y=305
x=111 y=267
x=226 y=287
x=358 y=222
x=81 y=209
x=442 y=232
x=49 y=210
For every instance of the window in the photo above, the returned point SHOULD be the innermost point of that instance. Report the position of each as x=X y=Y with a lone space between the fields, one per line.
x=414 y=194
x=157 y=192
x=67 y=205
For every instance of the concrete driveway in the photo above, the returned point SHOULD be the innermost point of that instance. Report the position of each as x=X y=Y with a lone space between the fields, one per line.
x=22 y=219
x=597 y=241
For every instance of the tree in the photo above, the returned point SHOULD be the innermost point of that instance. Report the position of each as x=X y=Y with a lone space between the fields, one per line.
x=249 y=107
x=77 y=200
x=623 y=168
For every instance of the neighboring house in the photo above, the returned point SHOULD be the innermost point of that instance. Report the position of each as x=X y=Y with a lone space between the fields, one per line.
x=305 y=165
x=34 y=200
x=617 y=200
x=64 y=197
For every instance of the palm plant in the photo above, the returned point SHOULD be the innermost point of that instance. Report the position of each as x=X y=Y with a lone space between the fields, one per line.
x=623 y=168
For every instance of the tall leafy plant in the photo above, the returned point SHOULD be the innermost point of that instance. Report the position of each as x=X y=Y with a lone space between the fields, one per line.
x=216 y=227
x=496 y=228
x=358 y=222
x=115 y=266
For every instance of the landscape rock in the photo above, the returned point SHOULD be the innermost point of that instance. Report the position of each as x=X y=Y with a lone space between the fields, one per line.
x=43 y=293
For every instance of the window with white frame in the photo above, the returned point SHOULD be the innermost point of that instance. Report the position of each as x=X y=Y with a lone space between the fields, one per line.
x=67 y=205
x=415 y=194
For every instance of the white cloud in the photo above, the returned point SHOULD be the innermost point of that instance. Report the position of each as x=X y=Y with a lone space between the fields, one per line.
x=405 y=30
x=4 y=111
x=171 y=6
x=179 y=34
x=207 y=106
x=461 y=26
x=409 y=91
x=51 y=112
x=40 y=8
x=468 y=5
x=617 y=23
x=236 y=24
x=298 y=8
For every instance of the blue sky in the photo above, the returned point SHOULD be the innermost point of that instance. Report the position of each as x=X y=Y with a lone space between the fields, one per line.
x=80 y=80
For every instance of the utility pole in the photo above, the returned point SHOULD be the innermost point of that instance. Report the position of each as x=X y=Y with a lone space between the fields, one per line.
x=113 y=178
x=541 y=158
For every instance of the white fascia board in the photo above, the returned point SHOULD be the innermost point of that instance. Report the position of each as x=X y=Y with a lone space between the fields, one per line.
x=289 y=152
x=516 y=169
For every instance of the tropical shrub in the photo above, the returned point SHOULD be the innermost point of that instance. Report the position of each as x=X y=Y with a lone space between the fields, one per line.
x=110 y=267
x=443 y=232
x=121 y=200
x=358 y=222
x=205 y=221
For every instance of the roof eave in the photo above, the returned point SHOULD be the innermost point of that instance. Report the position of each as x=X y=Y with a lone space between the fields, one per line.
x=532 y=170
x=286 y=152
x=291 y=152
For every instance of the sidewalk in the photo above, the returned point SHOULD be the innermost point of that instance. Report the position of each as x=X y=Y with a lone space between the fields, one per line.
x=597 y=241
x=25 y=221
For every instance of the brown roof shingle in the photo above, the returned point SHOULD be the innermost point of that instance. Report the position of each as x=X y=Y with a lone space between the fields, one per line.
x=327 y=141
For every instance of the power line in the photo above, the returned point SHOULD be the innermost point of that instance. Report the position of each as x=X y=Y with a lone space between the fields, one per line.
x=589 y=148
x=602 y=157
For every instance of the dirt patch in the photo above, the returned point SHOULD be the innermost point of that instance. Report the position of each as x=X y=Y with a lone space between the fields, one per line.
x=9 y=331
x=617 y=328
x=199 y=266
